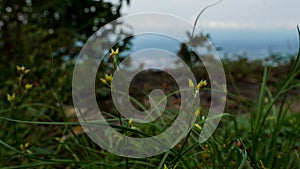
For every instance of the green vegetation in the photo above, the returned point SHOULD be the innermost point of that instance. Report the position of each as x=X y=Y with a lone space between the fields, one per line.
x=261 y=133
x=39 y=129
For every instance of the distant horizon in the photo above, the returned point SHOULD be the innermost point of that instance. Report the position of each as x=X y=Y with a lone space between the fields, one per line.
x=257 y=44
x=251 y=44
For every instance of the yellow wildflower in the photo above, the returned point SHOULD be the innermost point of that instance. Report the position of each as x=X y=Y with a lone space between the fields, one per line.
x=22 y=69
x=113 y=53
x=166 y=167
x=25 y=146
x=198 y=112
x=198 y=127
x=191 y=84
x=28 y=86
x=103 y=81
x=201 y=84
x=130 y=122
x=11 y=98
x=108 y=78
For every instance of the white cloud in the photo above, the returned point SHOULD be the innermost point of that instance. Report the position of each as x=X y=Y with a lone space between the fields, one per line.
x=247 y=25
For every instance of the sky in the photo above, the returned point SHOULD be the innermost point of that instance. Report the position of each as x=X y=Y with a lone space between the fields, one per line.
x=252 y=26
x=229 y=14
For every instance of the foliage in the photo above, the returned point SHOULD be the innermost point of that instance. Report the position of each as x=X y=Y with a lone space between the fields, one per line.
x=47 y=33
x=36 y=133
x=43 y=33
x=30 y=27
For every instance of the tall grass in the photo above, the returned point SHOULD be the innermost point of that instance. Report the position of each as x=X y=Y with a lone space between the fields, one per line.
x=268 y=136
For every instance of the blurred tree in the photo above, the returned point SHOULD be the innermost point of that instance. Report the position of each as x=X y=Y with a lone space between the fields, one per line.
x=29 y=27
x=200 y=41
